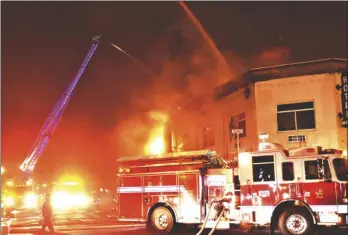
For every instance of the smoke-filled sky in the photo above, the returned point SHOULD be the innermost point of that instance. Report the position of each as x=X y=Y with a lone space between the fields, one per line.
x=44 y=43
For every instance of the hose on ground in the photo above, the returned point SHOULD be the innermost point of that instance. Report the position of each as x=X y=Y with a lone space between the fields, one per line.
x=217 y=222
x=206 y=218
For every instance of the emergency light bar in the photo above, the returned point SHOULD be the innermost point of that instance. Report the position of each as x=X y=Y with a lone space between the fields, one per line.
x=270 y=146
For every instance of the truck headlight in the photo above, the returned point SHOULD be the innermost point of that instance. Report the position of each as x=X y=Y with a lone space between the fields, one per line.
x=79 y=200
x=9 y=201
x=30 y=200
x=61 y=200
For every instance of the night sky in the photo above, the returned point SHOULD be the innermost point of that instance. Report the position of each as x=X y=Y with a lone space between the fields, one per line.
x=44 y=44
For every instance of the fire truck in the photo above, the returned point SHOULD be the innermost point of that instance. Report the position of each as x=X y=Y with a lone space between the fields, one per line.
x=294 y=190
x=19 y=195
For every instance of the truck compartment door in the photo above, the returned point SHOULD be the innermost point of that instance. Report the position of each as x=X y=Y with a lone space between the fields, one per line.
x=130 y=195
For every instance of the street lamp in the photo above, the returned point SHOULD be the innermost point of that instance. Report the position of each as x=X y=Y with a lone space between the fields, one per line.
x=2 y=170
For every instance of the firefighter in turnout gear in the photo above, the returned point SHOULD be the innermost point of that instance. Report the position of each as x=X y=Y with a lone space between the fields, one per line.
x=47 y=214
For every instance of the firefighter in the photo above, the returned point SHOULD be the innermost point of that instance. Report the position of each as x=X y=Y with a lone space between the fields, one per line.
x=47 y=214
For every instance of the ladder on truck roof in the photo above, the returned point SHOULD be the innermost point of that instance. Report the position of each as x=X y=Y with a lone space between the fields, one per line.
x=174 y=161
x=162 y=157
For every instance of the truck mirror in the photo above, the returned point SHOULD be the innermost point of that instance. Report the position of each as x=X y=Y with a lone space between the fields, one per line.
x=322 y=170
x=320 y=166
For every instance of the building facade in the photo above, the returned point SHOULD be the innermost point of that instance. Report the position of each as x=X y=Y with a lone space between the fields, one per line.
x=295 y=104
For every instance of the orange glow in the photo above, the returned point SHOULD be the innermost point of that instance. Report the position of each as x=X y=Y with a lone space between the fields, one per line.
x=156 y=142
x=157 y=146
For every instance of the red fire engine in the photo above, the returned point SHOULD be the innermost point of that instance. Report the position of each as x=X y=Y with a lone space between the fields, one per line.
x=292 y=190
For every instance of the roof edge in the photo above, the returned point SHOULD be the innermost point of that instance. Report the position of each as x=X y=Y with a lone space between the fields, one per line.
x=298 y=63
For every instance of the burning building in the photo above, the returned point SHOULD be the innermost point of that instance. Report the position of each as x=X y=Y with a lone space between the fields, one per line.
x=294 y=103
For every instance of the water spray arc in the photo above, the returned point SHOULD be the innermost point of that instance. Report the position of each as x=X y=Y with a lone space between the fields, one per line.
x=221 y=60
x=134 y=59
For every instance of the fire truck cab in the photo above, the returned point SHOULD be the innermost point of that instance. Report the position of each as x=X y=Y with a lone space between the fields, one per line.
x=293 y=190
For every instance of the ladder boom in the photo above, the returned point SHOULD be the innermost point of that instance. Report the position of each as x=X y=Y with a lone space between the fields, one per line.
x=53 y=119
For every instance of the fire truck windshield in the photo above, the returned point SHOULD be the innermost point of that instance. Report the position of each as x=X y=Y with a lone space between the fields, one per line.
x=341 y=168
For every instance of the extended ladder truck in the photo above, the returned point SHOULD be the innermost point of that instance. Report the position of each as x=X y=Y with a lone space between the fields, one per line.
x=53 y=119
x=293 y=190
x=11 y=197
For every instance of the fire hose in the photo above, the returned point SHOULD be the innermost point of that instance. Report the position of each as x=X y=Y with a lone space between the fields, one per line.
x=226 y=198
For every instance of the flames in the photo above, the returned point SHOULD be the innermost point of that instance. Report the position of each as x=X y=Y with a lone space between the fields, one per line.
x=156 y=139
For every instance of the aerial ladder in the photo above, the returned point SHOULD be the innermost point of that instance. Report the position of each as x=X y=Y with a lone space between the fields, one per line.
x=53 y=119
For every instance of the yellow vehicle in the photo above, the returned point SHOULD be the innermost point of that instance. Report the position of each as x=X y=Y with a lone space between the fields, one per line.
x=19 y=196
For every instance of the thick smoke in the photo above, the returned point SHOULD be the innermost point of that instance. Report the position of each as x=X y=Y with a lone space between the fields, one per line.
x=187 y=73
x=271 y=56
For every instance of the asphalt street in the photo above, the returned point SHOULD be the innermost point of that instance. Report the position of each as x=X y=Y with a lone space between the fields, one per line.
x=86 y=223
x=134 y=229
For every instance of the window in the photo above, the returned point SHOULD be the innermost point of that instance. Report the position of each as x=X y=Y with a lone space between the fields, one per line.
x=296 y=116
x=296 y=138
x=288 y=171
x=237 y=122
x=341 y=168
x=208 y=136
x=312 y=170
x=263 y=168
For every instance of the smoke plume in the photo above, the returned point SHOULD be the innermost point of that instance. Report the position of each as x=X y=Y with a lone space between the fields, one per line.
x=187 y=73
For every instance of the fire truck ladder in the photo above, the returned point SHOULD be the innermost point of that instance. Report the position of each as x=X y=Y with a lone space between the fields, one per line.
x=53 y=119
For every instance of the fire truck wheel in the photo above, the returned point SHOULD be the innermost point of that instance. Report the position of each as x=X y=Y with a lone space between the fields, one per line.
x=162 y=220
x=295 y=221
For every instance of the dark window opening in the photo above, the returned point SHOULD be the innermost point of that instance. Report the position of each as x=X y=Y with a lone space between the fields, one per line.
x=305 y=120
x=295 y=106
x=297 y=116
x=286 y=121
